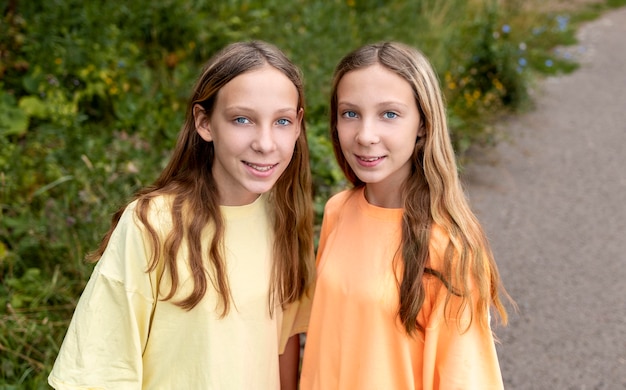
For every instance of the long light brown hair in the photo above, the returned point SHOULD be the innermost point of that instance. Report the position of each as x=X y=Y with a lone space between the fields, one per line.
x=431 y=194
x=188 y=178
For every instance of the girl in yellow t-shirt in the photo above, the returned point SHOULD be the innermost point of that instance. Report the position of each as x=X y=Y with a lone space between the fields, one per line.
x=405 y=275
x=201 y=280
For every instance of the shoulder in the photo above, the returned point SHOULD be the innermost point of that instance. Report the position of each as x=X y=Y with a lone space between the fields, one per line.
x=437 y=245
x=337 y=203
x=155 y=211
x=439 y=238
x=339 y=200
x=448 y=256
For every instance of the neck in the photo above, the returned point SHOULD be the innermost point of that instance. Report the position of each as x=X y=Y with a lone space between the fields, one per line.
x=382 y=196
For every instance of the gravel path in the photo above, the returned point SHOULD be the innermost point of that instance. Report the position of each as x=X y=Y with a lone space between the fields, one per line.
x=553 y=202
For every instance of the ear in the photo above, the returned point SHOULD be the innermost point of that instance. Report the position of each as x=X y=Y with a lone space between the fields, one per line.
x=202 y=122
x=421 y=131
x=299 y=121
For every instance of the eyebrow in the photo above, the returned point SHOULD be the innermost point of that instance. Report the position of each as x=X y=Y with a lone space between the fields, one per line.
x=286 y=110
x=386 y=103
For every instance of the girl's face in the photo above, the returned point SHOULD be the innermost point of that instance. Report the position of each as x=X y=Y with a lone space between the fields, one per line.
x=254 y=127
x=378 y=125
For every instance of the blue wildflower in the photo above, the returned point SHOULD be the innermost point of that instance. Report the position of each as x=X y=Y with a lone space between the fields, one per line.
x=562 y=22
x=538 y=30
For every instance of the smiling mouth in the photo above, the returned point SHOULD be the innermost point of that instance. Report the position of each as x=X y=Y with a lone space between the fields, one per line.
x=260 y=168
x=369 y=159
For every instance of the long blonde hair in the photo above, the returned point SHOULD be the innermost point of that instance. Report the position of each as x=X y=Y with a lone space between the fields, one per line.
x=188 y=177
x=431 y=194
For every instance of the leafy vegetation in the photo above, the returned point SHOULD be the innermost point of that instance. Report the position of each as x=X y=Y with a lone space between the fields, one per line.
x=92 y=95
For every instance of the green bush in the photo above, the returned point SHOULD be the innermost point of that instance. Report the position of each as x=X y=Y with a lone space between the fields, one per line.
x=92 y=95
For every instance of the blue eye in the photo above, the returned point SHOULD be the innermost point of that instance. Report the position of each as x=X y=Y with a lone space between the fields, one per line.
x=390 y=115
x=283 y=122
x=349 y=114
x=241 y=120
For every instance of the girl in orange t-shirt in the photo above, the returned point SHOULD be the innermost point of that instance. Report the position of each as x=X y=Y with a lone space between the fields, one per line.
x=406 y=277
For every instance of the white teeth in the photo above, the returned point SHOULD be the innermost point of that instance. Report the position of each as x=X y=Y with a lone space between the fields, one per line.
x=259 y=168
x=369 y=159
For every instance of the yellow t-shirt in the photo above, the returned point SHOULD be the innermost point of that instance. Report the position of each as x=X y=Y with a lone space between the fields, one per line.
x=355 y=339
x=123 y=337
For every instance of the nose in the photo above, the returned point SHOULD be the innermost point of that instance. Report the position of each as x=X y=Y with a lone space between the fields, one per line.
x=366 y=133
x=264 y=140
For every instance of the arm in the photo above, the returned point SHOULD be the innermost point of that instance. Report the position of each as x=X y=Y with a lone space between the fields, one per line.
x=289 y=362
x=295 y=322
x=463 y=360
x=109 y=328
x=455 y=355
x=459 y=354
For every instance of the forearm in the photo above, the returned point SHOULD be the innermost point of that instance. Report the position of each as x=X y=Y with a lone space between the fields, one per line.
x=289 y=362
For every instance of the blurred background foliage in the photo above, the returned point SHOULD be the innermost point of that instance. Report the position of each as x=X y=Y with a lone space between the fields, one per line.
x=92 y=96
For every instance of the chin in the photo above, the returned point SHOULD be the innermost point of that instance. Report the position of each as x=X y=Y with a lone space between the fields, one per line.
x=258 y=190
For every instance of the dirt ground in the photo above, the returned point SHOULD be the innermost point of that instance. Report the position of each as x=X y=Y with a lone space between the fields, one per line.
x=552 y=201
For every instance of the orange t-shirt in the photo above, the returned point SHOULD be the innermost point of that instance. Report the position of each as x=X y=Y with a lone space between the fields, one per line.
x=355 y=339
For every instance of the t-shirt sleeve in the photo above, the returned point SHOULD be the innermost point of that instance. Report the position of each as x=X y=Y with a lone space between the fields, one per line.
x=109 y=329
x=295 y=319
x=455 y=355
x=455 y=359
x=329 y=221
x=296 y=315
